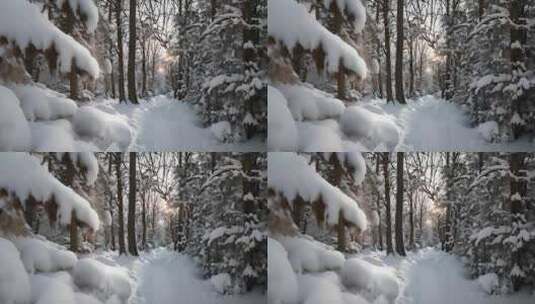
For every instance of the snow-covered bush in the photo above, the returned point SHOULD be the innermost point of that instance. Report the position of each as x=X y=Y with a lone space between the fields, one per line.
x=282 y=280
x=308 y=255
x=44 y=256
x=370 y=279
x=14 y=281
x=107 y=280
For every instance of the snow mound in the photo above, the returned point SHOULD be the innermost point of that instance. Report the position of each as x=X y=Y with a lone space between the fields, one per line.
x=92 y=122
x=488 y=282
x=47 y=290
x=14 y=129
x=308 y=255
x=81 y=298
x=282 y=281
x=291 y=175
x=320 y=136
x=361 y=123
x=23 y=175
x=321 y=288
x=489 y=130
x=43 y=104
x=41 y=33
x=14 y=281
x=108 y=280
x=222 y=282
x=221 y=130
x=43 y=256
x=282 y=131
x=371 y=279
x=308 y=103
x=291 y=23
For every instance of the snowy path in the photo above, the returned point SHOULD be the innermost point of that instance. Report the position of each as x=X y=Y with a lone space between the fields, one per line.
x=433 y=276
x=432 y=124
x=166 y=277
x=165 y=124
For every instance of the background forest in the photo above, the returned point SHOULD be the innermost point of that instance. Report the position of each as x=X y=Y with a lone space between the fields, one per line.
x=139 y=227
x=409 y=75
x=401 y=228
x=115 y=75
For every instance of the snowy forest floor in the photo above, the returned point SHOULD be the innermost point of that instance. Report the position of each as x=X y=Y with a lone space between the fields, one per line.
x=433 y=124
x=164 y=124
x=163 y=276
x=433 y=276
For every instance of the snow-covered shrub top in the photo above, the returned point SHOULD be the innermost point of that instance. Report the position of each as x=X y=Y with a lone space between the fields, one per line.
x=14 y=129
x=372 y=280
x=282 y=281
x=21 y=22
x=87 y=8
x=290 y=23
x=290 y=175
x=23 y=175
x=354 y=9
x=353 y=160
x=40 y=103
x=14 y=281
x=307 y=103
x=309 y=255
x=44 y=256
x=282 y=131
x=92 y=274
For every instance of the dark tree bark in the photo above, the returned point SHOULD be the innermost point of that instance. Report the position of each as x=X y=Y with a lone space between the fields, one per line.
x=132 y=242
x=386 y=161
x=378 y=203
x=73 y=82
x=411 y=67
x=132 y=94
x=118 y=12
x=386 y=11
x=250 y=61
x=518 y=191
x=67 y=177
x=411 y=219
x=110 y=203
x=400 y=96
x=118 y=162
x=400 y=246
x=518 y=60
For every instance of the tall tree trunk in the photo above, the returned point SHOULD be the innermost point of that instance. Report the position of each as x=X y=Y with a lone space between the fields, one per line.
x=336 y=173
x=518 y=191
x=118 y=162
x=400 y=246
x=378 y=203
x=144 y=222
x=132 y=242
x=144 y=68
x=67 y=176
x=73 y=82
x=400 y=96
x=110 y=204
x=411 y=219
x=118 y=12
x=250 y=61
x=386 y=161
x=518 y=62
x=132 y=94
x=110 y=51
x=75 y=239
x=388 y=59
x=411 y=66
